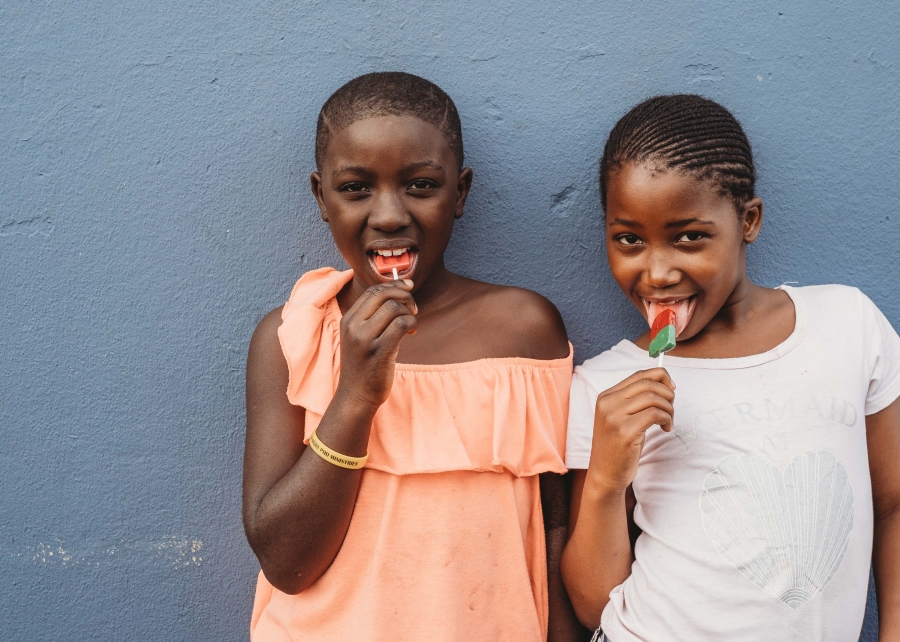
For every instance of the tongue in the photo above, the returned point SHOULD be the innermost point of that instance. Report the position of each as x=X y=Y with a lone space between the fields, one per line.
x=385 y=264
x=682 y=310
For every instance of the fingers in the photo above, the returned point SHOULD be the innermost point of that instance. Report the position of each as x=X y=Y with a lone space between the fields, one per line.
x=373 y=312
x=616 y=397
x=615 y=411
x=374 y=298
x=646 y=400
x=641 y=421
x=639 y=388
x=398 y=327
x=385 y=316
x=643 y=399
x=660 y=375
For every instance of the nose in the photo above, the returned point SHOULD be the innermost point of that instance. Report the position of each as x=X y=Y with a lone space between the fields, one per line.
x=388 y=213
x=660 y=271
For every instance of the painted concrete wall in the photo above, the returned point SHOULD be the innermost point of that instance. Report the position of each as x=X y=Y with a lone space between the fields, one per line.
x=154 y=204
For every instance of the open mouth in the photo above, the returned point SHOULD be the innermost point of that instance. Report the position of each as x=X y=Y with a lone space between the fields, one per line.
x=401 y=259
x=683 y=309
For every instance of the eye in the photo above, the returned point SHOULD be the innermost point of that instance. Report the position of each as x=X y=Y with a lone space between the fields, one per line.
x=422 y=184
x=353 y=188
x=628 y=239
x=691 y=237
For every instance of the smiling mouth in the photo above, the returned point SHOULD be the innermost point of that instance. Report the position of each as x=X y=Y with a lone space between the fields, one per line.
x=402 y=259
x=683 y=309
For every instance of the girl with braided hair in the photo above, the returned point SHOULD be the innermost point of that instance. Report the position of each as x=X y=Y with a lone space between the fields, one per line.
x=744 y=505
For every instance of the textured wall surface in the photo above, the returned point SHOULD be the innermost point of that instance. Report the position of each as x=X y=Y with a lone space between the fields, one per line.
x=154 y=205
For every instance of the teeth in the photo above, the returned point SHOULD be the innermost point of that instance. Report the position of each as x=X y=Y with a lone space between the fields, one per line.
x=392 y=252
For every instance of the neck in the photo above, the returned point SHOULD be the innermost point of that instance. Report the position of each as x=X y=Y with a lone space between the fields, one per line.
x=437 y=288
x=753 y=320
x=737 y=306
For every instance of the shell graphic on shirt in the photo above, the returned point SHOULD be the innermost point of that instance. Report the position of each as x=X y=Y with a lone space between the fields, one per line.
x=786 y=533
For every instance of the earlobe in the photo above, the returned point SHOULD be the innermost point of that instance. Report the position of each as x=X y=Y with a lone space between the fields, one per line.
x=753 y=217
x=315 y=185
x=463 y=185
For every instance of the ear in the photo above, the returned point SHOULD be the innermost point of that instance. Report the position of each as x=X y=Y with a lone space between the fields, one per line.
x=315 y=184
x=463 y=185
x=752 y=219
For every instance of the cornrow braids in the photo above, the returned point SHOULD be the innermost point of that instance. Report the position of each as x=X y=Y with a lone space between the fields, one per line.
x=686 y=132
x=390 y=93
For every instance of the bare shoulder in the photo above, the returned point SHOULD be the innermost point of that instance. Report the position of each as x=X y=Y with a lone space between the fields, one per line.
x=264 y=344
x=267 y=329
x=528 y=321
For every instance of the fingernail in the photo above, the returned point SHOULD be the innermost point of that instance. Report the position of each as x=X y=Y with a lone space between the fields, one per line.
x=415 y=308
x=408 y=282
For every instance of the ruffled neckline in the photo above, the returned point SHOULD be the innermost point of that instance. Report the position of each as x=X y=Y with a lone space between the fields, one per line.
x=490 y=414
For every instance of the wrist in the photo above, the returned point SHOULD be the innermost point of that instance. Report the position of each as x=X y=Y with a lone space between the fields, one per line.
x=347 y=423
x=601 y=489
x=356 y=405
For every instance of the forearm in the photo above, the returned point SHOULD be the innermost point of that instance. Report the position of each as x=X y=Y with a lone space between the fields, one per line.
x=886 y=561
x=299 y=525
x=563 y=626
x=598 y=555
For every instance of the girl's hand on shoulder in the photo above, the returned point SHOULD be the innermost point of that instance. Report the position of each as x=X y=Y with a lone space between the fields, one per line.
x=371 y=332
x=622 y=416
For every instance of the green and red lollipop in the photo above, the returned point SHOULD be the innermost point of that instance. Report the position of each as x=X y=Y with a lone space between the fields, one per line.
x=662 y=335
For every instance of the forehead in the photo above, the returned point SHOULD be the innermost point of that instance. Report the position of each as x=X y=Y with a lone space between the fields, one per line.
x=650 y=192
x=386 y=140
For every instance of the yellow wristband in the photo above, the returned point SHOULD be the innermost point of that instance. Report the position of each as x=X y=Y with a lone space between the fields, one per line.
x=333 y=457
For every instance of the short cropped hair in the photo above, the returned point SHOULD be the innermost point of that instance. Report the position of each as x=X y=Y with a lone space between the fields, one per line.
x=686 y=132
x=389 y=93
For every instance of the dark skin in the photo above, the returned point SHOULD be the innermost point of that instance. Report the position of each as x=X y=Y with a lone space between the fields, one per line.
x=385 y=183
x=670 y=236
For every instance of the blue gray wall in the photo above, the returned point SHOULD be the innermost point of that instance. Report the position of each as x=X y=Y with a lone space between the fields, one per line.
x=154 y=205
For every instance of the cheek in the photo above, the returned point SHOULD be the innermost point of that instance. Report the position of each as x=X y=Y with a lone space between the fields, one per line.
x=715 y=272
x=623 y=268
x=346 y=234
x=707 y=269
x=435 y=219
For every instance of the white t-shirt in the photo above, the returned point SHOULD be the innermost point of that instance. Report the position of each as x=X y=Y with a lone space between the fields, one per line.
x=756 y=509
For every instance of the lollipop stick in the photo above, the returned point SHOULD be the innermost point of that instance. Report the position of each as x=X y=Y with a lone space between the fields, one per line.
x=394 y=270
x=659 y=363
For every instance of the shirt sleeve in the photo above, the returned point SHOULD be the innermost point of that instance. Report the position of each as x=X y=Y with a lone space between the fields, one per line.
x=883 y=347
x=580 y=432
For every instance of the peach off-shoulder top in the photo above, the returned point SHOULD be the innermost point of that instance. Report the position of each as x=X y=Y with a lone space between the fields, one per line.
x=446 y=541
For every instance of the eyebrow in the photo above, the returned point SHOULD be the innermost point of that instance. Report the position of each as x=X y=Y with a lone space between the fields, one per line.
x=671 y=224
x=688 y=221
x=354 y=169
x=421 y=164
x=359 y=169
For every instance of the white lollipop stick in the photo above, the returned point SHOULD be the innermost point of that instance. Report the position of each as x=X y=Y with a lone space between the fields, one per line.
x=659 y=362
x=394 y=270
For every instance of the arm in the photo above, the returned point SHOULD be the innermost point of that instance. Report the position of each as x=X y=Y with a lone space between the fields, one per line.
x=563 y=625
x=598 y=556
x=297 y=506
x=883 y=436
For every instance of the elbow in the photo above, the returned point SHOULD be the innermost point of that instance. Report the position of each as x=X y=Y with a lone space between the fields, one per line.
x=286 y=582
x=586 y=602
x=279 y=572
